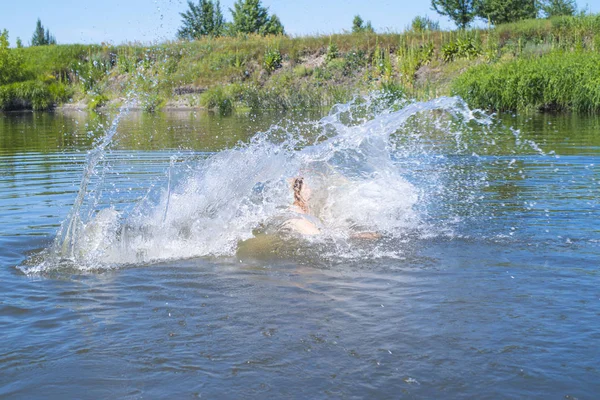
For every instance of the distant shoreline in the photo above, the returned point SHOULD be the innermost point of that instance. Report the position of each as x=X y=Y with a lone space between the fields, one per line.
x=541 y=65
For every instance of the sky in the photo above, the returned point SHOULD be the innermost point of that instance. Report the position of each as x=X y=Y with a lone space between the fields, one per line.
x=120 y=21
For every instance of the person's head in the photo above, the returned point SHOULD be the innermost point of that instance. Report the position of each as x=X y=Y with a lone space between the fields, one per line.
x=301 y=193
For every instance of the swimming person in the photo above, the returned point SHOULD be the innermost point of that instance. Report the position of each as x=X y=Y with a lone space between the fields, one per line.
x=303 y=222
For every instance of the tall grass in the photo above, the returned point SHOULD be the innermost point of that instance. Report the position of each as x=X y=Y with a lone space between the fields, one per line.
x=36 y=95
x=559 y=81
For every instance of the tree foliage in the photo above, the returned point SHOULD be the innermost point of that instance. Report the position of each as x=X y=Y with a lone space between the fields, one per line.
x=462 y=12
x=423 y=24
x=41 y=37
x=553 y=8
x=250 y=16
x=504 y=11
x=202 y=19
x=358 y=25
x=10 y=63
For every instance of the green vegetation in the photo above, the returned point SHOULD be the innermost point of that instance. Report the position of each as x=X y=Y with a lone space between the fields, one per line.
x=422 y=24
x=250 y=17
x=504 y=11
x=358 y=25
x=203 y=19
x=41 y=37
x=558 y=81
x=539 y=64
x=10 y=62
x=206 y=19
x=497 y=12
x=462 y=12
x=555 y=8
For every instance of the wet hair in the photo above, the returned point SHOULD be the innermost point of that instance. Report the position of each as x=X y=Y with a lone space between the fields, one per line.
x=299 y=200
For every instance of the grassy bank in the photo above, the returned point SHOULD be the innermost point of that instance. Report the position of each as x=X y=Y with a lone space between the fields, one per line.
x=558 y=81
x=254 y=72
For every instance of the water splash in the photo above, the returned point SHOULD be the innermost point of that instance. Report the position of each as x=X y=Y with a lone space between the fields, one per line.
x=404 y=171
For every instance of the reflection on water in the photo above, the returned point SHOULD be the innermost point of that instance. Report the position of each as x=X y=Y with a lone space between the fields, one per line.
x=66 y=130
x=473 y=315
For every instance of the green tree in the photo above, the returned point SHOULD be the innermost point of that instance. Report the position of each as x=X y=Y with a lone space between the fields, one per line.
x=19 y=43
x=552 y=8
x=504 y=11
x=462 y=12
x=250 y=16
x=358 y=25
x=274 y=26
x=422 y=24
x=42 y=37
x=202 y=19
x=10 y=63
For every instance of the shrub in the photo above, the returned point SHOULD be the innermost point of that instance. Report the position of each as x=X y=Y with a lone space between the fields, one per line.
x=464 y=47
x=272 y=60
x=332 y=52
x=97 y=101
x=152 y=102
x=449 y=52
x=217 y=98
x=10 y=61
x=35 y=95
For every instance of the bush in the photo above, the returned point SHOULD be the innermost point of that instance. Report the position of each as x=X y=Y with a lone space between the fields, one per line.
x=272 y=60
x=464 y=47
x=332 y=52
x=97 y=101
x=218 y=98
x=35 y=95
x=10 y=62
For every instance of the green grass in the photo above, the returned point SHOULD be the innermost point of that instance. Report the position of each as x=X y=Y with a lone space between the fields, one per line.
x=36 y=95
x=559 y=81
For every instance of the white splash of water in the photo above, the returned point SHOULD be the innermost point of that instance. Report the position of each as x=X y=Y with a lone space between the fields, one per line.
x=357 y=171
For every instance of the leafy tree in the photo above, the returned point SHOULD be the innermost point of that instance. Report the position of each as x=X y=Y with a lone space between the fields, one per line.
x=462 y=12
x=41 y=37
x=274 y=26
x=250 y=16
x=19 y=43
x=10 y=63
x=552 y=8
x=202 y=19
x=358 y=25
x=503 y=11
x=422 y=24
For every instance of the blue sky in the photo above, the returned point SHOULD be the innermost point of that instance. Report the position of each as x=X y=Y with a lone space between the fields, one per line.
x=118 y=21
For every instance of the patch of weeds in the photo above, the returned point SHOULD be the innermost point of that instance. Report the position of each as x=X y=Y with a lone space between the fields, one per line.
x=301 y=71
x=332 y=52
x=152 y=102
x=272 y=60
x=97 y=100
x=218 y=98
x=322 y=74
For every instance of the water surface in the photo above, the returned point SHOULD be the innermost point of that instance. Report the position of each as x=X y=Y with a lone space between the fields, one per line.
x=492 y=292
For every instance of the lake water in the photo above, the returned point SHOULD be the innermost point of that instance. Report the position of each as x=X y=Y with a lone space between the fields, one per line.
x=484 y=283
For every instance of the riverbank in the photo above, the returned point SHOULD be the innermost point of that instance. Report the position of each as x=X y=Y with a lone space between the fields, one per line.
x=254 y=72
